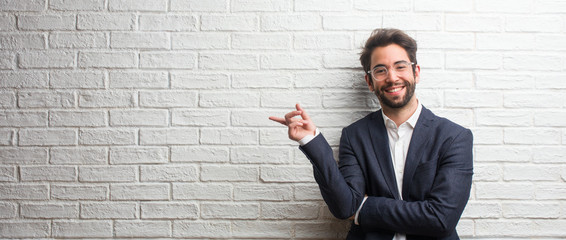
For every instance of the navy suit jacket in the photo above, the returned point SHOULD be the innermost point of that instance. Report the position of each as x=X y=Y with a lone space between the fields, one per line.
x=436 y=181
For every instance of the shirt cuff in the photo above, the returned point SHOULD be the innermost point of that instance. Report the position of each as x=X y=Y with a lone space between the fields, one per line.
x=306 y=139
x=358 y=212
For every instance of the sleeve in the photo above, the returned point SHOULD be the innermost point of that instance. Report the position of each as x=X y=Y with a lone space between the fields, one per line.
x=439 y=212
x=342 y=187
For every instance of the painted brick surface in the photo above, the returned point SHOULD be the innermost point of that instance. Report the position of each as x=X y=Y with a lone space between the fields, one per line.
x=147 y=119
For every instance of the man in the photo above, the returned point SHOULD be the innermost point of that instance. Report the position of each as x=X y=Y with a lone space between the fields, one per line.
x=403 y=172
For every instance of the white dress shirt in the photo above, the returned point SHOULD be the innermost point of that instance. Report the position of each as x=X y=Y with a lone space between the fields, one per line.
x=399 y=140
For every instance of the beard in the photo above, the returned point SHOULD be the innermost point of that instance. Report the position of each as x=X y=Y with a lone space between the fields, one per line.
x=395 y=102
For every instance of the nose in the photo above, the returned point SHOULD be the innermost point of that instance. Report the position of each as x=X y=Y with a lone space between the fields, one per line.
x=392 y=75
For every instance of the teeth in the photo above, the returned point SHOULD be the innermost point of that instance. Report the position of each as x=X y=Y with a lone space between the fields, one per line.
x=394 y=90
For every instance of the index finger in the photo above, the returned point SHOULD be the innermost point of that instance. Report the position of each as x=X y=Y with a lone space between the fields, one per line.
x=304 y=114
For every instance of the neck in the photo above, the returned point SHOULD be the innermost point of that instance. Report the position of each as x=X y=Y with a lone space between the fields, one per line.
x=402 y=114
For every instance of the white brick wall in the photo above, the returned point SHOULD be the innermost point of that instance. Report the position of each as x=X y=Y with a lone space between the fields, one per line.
x=148 y=119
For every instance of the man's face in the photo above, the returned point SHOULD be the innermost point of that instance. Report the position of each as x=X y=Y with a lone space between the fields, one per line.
x=398 y=87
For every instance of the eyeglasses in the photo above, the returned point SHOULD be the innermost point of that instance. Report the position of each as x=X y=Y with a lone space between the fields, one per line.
x=381 y=72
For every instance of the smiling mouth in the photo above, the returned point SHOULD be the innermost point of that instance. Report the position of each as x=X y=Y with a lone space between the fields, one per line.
x=393 y=90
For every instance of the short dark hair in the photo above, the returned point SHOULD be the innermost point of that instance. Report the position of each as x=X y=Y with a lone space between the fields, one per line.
x=382 y=37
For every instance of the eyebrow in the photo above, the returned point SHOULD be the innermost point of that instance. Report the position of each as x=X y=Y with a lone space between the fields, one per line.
x=383 y=65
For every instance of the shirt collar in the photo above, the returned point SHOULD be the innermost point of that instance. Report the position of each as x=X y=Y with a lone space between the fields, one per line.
x=412 y=121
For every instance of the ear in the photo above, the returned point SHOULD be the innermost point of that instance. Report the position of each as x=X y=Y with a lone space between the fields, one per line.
x=417 y=73
x=369 y=81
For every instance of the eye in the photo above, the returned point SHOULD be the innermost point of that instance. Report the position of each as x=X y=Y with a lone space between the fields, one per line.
x=379 y=70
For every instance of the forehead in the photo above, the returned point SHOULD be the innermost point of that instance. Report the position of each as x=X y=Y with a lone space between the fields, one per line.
x=388 y=55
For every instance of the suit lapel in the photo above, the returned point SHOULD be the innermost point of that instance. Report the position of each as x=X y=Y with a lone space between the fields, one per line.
x=380 y=143
x=419 y=141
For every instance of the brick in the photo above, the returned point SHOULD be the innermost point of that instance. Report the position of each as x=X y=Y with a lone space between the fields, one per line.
x=200 y=117
x=7 y=23
x=549 y=42
x=137 y=5
x=549 y=154
x=524 y=62
x=548 y=118
x=107 y=136
x=49 y=210
x=229 y=210
x=24 y=192
x=267 y=192
x=508 y=118
x=261 y=41
x=47 y=22
x=321 y=5
x=262 y=229
x=6 y=137
x=168 y=99
x=505 y=190
x=350 y=99
x=474 y=23
x=79 y=192
x=286 y=174
x=212 y=229
x=139 y=40
x=53 y=99
x=504 y=81
x=533 y=24
x=260 y=6
x=106 y=21
x=341 y=22
x=16 y=41
x=23 y=156
x=28 y=5
x=108 y=174
x=416 y=22
x=169 y=136
x=138 y=155
x=23 y=80
x=305 y=192
x=76 y=80
x=199 y=154
x=367 y=5
x=199 y=6
x=48 y=173
x=82 y=5
x=261 y=80
x=142 y=229
x=290 y=61
x=168 y=173
x=139 y=80
x=7 y=99
x=451 y=40
x=465 y=228
x=304 y=210
x=260 y=155
x=549 y=6
x=77 y=40
x=229 y=136
x=531 y=210
x=328 y=80
x=276 y=137
x=7 y=60
x=229 y=173
x=139 y=117
x=521 y=6
x=47 y=137
x=169 y=22
x=217 y=61
x=202 y=191
x=82 y=229
x=80 y=156
x=534 y=136
x=502 y=154
x=444 y=6
x=8 y=210
x=432 y=60
x=201 y=40
x=109 y=210
x=291 y=22
x=190 y=80
x=8 y=174
x=322 y=41
x=107 y=60
x=469 y=60
x=169 y=210
x=523 y=172
x=77 y=118
x=488 y=135
x=24 y=229
x=520 y=228
x=550 y=191
x=341 y=60
x=167 y=60
x=229 y=23
x=327 y=230
x=232 y=99
x=288 y=99
x=476 y=99
x=140 y=192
